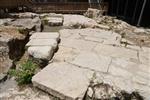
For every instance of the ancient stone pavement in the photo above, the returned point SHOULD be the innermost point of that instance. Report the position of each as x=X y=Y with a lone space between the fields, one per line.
x=85 y=52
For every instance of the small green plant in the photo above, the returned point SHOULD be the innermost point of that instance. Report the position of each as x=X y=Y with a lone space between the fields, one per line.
x=24 y=73
x=23 y=31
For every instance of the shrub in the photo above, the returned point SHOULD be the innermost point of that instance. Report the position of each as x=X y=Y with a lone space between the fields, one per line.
x=24 y=73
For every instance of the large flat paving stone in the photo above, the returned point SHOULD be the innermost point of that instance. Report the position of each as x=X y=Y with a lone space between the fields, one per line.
x=45 y=35
x=92 y=61
x=117 y=52
x=42 y=42
x=136 y=72
x=63 y=80
x=41 y=52
x=65 y=54
x=78 y=44
x=95 y=35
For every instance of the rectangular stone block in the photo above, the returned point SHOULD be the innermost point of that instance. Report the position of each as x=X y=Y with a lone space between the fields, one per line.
x=42 y=42
x=41 y=52
x=63 y=80
x=45 y=35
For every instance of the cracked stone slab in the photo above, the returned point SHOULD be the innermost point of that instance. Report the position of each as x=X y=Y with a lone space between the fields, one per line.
x=42 y=42
x=92 y=61
x=129 y=70
x=65 y=54
x=63 y=80
x=117 y=52
x=41 y=52
x=78 y=44
x=89 y=32
x=45 y=35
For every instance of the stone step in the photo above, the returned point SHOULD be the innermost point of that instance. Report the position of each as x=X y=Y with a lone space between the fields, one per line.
x=63 y=80
x=41 y=52
x=42 y=42
x=45 y=35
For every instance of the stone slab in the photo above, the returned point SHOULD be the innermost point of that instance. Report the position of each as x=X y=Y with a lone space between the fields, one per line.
x=129 y=70
x=42 y=42
x=41 y=52
x=78 y=44
x=117 y=52
x=92 y=61
x=45 y=35
x=65 y=54
x=144 y=56
x=63 y=80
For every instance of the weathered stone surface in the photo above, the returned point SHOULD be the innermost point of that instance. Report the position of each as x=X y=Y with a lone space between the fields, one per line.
x=139 y=30
x=44 y=15
x=5 y=21
x=117 y=52
x=42 y=42
x=144 y=56
x=78 y=44
x=27 y=93
x=78 y=21
x=11 y=47
x=55 y=21
x=38 y=24
x=45 y=35
x=127 y=84
x=93 y=13
x=63 y=80
x=65 y=54
x=102 y=91
x=130 y=70
x=92 y=61
x=41 y=52
x=28 y=23
x=94 y=39
x=95 y=35
x=23 y=15
x=102 y=27
x=5 y=62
